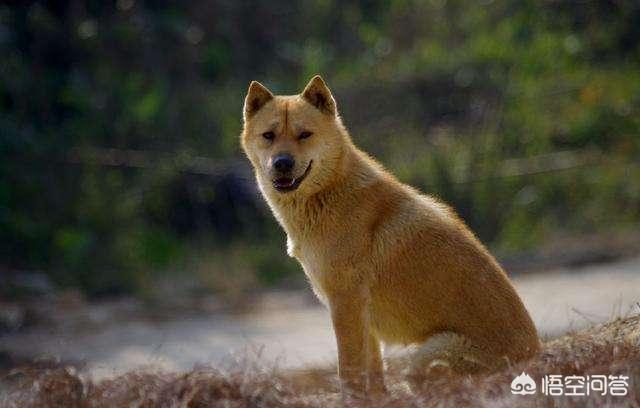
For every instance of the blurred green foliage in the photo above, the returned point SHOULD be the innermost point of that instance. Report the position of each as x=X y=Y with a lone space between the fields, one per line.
x=449 y=94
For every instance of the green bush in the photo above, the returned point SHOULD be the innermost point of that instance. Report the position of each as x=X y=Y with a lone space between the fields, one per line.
x=119 y=122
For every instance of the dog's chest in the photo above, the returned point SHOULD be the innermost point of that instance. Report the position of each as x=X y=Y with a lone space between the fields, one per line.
x=311 y=258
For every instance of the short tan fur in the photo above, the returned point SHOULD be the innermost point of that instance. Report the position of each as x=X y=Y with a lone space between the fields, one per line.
x=391 y=264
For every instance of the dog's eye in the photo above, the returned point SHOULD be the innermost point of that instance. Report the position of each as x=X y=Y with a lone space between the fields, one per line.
x=304 y=135
x=269 y=135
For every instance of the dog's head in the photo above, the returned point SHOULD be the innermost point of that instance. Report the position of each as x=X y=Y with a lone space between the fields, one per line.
x=294 y=142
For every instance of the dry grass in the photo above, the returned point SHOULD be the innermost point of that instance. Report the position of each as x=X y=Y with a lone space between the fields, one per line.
x=613 y=348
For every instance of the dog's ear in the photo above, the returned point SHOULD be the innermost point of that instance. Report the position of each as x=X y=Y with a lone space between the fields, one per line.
x=318 y=94
x=257 y=96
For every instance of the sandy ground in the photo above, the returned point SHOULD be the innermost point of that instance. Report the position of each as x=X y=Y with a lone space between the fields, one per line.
x=295 y=333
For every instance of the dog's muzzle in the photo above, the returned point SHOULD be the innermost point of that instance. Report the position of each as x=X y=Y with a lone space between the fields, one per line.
x=285 y=184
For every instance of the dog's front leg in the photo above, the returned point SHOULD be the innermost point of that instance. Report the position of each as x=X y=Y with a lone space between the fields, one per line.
x=347 y=311
x=375 y=366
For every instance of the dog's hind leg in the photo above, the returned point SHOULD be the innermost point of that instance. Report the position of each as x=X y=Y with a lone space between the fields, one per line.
x=447 y=353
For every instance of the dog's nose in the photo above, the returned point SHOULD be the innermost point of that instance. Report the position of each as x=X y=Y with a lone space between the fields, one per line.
x=283 y=162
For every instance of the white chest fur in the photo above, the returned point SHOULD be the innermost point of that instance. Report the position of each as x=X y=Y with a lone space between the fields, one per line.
x=311 y=261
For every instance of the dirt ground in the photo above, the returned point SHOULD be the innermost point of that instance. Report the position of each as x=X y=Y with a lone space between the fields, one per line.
x=288 y=330
x=596 y=367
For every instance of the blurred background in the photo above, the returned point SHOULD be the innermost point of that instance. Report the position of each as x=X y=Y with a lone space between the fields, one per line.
x=121 y=175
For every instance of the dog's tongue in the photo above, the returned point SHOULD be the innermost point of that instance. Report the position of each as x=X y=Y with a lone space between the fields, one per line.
x=285 y=182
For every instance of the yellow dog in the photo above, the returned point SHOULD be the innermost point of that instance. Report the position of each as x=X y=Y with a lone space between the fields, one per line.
x=391 y=264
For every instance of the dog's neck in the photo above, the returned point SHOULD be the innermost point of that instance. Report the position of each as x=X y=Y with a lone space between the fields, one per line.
x=301 y=214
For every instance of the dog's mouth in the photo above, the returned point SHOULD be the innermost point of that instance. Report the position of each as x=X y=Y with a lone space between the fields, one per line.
x=286 y=184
